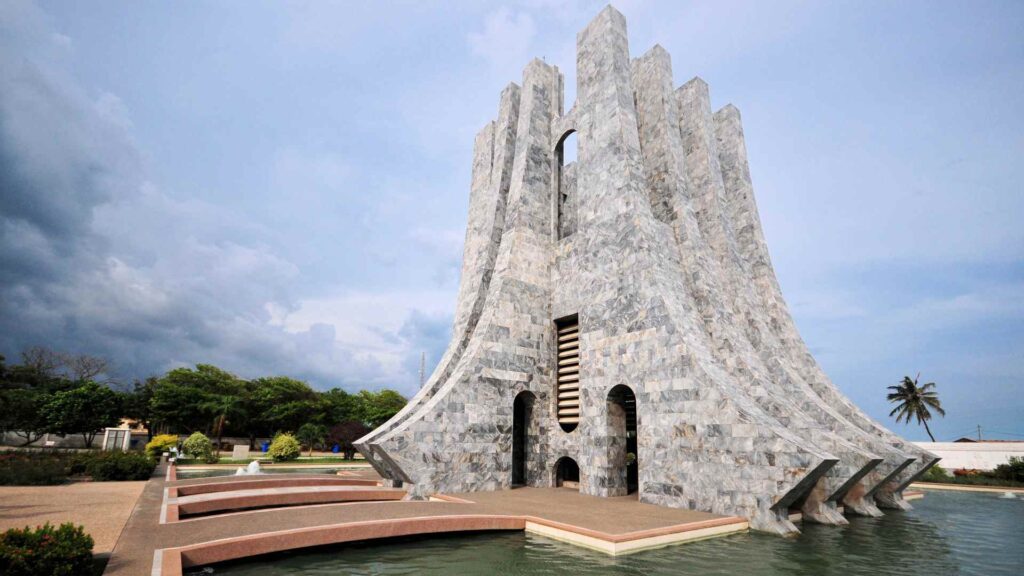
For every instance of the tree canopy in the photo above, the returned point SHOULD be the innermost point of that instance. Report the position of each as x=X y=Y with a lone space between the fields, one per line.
x=84 y=410
x=48 y=393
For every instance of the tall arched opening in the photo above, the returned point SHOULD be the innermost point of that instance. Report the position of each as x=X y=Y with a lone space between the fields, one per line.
x=522 y=417
x=565 y=179
x=567 y=473
x=622 y=436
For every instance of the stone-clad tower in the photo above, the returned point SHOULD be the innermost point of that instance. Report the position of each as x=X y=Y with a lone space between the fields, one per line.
x=619 y=323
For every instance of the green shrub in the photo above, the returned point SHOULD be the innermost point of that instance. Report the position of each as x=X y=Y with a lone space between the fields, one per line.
x=80 y=461
x=284 y=447
x=1012 y=470
x=987 y=479
x=937 y=474
x=198 y=446
x=160 y=444
x=46 y=551
x=118 y=466
x=35 y=467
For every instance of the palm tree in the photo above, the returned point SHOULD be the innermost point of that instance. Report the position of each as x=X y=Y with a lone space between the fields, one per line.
x=311 y=434
x=915 y=402
x=224 y=407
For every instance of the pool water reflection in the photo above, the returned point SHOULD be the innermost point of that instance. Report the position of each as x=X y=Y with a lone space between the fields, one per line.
x=947 y=533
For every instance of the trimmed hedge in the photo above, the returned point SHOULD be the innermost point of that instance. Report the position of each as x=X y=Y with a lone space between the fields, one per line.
x=198 y=446
x=46 y=551
x=119 y=466
x=284 y=447
x=35 y=467
x=51 y=467
x=161 y=443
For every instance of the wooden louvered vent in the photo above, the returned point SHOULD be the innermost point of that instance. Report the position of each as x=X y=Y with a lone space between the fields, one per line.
x=568 y=375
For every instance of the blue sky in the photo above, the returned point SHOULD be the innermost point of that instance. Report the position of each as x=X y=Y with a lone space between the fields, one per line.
x=281 y=187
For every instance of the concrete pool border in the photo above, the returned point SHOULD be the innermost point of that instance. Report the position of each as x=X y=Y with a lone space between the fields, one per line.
x=229 y=501
x=172 y=469
x=172 y=561
x=263 y=492
x=965 y=488
x=615 y=526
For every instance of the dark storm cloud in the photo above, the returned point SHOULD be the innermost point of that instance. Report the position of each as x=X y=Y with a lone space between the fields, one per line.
x=96 y=259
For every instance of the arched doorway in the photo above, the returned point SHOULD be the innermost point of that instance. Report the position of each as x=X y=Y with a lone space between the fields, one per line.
x=522 y=416
x=567 y=473
x=622 y=432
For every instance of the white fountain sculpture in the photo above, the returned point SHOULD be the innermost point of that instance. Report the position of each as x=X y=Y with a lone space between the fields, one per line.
x=252 y=469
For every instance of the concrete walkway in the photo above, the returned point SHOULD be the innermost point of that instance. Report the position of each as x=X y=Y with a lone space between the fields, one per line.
x=613 y=525
x=102 y=507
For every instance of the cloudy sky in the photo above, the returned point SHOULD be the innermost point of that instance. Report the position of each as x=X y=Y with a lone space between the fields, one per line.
x=281 y=187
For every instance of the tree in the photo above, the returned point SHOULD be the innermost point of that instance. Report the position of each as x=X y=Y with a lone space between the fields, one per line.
x=43 y=361
x=915 y=401
x=25 y=389
x=137 y=403
x=376 y=408
x=336 y=406
x=185 y=398
x=222 y=406
x=51 y=363
x=277 y=403
x=311 y=434
x=84 y=410
x=346 y=433
x=81 y=367
x=22 y=414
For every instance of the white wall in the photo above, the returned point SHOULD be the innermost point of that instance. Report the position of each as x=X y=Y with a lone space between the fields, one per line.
x=976 y=455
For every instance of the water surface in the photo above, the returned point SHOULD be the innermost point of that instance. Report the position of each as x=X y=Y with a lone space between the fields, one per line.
x=184 y=473
x=947 y=533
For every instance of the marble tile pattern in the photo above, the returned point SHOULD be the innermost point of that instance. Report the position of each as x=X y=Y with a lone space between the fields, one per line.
x=652 y=237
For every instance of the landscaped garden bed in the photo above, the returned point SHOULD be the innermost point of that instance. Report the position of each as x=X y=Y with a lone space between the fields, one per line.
x=50 y=467
x=1009 y=475
x=47 y=549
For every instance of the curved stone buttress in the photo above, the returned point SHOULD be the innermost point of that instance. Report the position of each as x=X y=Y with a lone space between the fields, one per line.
x=651 y=239
x=789 y=346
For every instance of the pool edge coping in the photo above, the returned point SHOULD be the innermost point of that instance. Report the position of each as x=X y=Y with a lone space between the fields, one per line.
x=172 y=561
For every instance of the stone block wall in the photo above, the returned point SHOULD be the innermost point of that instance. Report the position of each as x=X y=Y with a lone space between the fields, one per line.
x=652 y=238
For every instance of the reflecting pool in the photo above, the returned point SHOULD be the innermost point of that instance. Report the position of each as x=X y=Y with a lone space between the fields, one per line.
x=184 y=473
x=947 y=533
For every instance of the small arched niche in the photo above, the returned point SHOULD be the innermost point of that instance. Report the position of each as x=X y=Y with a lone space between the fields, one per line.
x=567 y=473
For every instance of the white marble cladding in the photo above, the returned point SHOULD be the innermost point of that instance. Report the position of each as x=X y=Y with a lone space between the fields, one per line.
x=652 y=237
